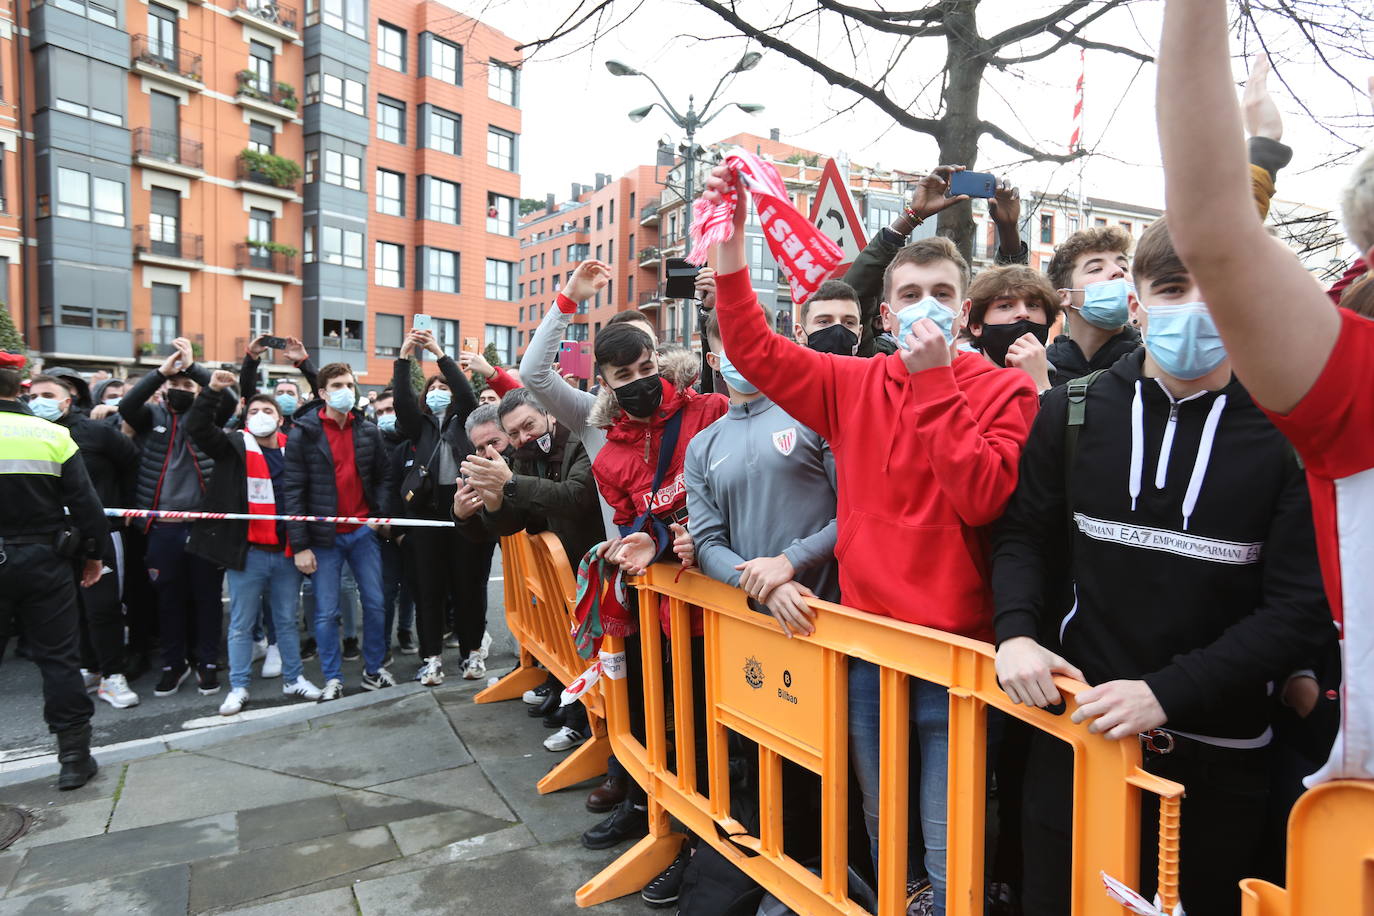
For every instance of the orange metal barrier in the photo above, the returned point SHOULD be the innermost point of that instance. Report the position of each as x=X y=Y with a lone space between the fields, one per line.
x=790 y=696
x=1330 y=857
x=541 y=593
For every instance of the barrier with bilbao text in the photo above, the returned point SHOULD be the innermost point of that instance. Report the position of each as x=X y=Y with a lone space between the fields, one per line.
x=541 y=592
x=790 y=698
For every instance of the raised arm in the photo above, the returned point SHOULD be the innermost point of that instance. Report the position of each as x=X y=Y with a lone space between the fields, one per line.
x=569 y=405
x=464 y=398
x=200 y=419
x=133 y=407
x=1256 y=290
x=410 y=419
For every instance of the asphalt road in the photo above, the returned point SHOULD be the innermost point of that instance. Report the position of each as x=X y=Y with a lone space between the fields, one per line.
x=24 y=734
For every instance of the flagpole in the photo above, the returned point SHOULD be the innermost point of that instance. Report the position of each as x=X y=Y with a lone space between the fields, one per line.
x=1076 y=144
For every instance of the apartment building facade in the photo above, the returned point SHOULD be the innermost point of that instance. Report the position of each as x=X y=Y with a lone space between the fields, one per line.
x=215 y=171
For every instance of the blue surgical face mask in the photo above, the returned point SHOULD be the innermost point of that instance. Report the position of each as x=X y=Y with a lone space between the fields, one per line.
x=1183 y=341
x=387 y=422
x=47 y=408
x=342 y=399
x=929 y=307
x=287 y=403
x=732 y=376
x=438 y=401
x=1105 y=304
x=112 y=402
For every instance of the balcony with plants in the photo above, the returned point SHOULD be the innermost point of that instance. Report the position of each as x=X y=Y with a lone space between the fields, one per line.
x=163 y=243
x=169 y=152
x=649 y=257
x=275 y=18
x=268 y=173
x=276 y=99
x=163 y=60
x=266 y=259
x=150 y=346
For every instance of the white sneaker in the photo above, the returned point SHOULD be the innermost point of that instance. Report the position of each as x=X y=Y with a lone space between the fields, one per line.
x=260 y=650
x=271 y=662
x=302 y=688
x=115 y=691
x=565 y=739
x=432 y=674
x=486 y=645
x=233 y=703
x=378 y=681
x=91 y=679
x=333 y=690
x=474 y=668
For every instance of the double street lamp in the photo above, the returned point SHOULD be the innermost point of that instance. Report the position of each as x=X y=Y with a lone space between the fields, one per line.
x=689 y=122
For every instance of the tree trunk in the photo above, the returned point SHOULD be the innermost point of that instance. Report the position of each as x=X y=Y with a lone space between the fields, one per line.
x=958 y=140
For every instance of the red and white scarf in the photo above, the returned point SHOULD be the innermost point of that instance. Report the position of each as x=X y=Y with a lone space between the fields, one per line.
x=262 y=499
x=805 y=255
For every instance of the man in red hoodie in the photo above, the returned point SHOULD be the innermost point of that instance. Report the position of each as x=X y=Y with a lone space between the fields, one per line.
x=926 y=443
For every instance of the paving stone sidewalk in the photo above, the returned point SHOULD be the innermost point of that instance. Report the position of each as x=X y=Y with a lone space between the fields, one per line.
x=417 y=802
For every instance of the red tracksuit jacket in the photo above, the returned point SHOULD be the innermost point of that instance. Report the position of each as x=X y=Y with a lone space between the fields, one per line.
x=923 y=462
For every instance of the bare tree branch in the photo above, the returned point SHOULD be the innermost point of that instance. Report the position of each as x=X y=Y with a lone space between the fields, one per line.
x=883 y=22
x=562 y=31
x=997 y=133
x=1067 y=36
x=1034 y=27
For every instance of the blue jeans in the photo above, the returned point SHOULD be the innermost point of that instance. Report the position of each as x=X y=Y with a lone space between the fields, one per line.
x=359 y=550
x=348 y=603
x=929 y=770
x=271 y=575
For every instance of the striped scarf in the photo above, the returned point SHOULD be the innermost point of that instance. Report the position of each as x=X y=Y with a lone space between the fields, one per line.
x=262 y=499
x=806 y=256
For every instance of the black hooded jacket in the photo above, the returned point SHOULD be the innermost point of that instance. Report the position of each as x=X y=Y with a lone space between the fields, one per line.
x=1067 y=361
x=1191 y=552
x=158 y=431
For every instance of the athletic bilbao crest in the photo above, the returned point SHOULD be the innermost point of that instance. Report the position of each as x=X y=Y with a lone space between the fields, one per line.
x=784 y=440
x=753 y=672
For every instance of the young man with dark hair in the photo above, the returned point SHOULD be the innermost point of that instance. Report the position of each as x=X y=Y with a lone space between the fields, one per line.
x=829 y=321
x=336 y=465
x=1091 y=272
x=172 y=474
x=1009 y=319
x=286 y=391
x=635 y=317
x=249 y=477
x=1182 y=520
x=926 y=444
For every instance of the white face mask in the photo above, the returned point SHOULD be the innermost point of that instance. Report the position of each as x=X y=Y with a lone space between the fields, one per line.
x=262 y=424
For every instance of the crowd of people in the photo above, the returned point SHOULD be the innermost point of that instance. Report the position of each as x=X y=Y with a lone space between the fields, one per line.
x=1126 y=470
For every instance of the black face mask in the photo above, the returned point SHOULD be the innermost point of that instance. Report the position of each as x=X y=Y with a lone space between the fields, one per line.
x=836 y=339
x=641 y=397
x=996 y=339
x=179 y=400
x=534 y=449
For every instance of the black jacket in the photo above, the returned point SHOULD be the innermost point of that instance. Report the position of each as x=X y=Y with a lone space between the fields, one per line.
x=425 y=431
x=222 y=543
x=310 y=487
x=248 y=384
x=158 y=431
x=111 y=458
x=552 y=493
x=1207 y=597
x=32 y=499
x=1067 y=361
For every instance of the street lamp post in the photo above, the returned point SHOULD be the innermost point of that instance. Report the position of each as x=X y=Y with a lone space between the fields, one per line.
x=689 y=122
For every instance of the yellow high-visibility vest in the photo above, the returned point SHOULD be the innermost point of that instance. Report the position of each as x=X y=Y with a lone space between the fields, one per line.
x=31 y=445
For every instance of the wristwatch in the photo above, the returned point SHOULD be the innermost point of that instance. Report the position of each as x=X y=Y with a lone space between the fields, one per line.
x=508 y=489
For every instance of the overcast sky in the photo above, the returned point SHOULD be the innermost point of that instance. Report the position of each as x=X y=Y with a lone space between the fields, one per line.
x=575 y=123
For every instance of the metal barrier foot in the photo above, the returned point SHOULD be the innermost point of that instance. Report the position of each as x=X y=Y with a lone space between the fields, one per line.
x=587 y=762
x=512 y=685
x=639 y=865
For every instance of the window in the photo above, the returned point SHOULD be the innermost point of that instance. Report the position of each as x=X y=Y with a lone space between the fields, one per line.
x=391 y=193
x=337 y=246
x=610 y=216
x=390 y=334
x=344 y=167
x=443 y=130
x=391 y=47
x=1099 y=222
x=391 y=120
x=162 y=32
x=600 y=214
x=260 y=230
x=388 y=260
x=104 y=13
x=632 y=248
x=444 y=57
x=556 y=253
x=1127 y=226
x=166 y=313
x=260 y=63
x=502 y=82
x=163 y=218
x=261 y=137
x=80 y=86
x=610 y=252
x=500 y=279
x=345 y=15
x=1073 y=223
x=343 y=333
x=577 y=332
x=261 y=314
x=441 y=200
x=81 y=196
x=501 y=148
x=441 y=270
x=1047 y=228
x=340 y=92
x=630 y=289
x=672 y=228
x=633 y=211
x=880 y=213
x=446 y=335
x=760 y=271
x=500 y=214
x=504 y=339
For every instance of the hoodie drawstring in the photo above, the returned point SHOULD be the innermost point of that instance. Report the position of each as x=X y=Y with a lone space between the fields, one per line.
x=1137 y=444
x=1204 y=456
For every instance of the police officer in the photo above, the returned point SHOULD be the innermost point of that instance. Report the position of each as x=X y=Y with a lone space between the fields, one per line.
x=40 y=475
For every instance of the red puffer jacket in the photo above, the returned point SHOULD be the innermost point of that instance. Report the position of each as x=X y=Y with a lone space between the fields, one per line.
x=625 y=466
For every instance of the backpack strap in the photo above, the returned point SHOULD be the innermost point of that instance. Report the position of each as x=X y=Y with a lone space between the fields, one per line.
x=1078 y=409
